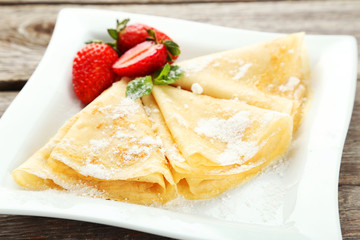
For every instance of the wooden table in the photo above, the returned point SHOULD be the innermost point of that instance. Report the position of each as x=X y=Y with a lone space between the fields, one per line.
x=25 y=30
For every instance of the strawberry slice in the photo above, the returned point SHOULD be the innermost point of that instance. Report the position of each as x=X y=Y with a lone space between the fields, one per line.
x=143 y=59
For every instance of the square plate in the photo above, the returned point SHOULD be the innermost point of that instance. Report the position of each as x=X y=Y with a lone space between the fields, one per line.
x=296 y=199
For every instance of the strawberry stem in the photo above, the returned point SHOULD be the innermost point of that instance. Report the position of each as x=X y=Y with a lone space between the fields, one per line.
x=114 y=33
x=152 y=35
x=121 y=25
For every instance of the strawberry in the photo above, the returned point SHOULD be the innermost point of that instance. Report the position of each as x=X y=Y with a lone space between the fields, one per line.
x=128 y=36
x=143 y=59
x=92 y=70
x=137 y=33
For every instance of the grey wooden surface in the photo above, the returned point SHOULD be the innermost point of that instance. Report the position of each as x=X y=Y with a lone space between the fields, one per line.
x=25 y=30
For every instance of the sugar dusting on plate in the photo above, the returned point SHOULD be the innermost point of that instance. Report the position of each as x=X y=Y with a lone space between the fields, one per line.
x=258 y=201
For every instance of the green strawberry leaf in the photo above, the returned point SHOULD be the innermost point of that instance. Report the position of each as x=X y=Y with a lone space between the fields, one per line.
x=93 y=41
x=113 y=33
x=121 y=25
x=168 y=57
x=172 y=47
x=139 y=87
x=168 y=74
x=111 y=44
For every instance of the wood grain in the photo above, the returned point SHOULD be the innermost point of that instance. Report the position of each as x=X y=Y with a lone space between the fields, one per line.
x=69 y=229
x=25 y=30
x=349 y=209
x=350 y=165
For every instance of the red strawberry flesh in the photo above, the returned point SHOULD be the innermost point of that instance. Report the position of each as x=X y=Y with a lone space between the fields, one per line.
x=143 y=59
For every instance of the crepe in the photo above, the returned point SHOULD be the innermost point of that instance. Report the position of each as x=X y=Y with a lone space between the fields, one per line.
x=177 y=141
x=272 y=75
x=108 y=150
x=215 y=144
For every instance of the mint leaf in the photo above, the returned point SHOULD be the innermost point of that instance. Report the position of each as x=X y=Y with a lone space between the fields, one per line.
x=167 y=75
x=163 y=72
x=139 y=87
x=172 y=47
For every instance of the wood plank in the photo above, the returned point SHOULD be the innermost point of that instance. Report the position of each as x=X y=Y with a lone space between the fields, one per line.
x=25 y=30
x=349 y=210
x=64 y=229
x=350 y=165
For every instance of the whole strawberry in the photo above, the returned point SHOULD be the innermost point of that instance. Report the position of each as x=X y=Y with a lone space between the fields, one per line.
x=92 y=70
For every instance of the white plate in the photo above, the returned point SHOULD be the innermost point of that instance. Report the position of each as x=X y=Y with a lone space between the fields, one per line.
x=297 y=200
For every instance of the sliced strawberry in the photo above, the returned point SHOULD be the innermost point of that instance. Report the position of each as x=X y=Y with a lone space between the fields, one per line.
x=137 y=33
x=128 y=36
x=92 y=70
x=143 y=59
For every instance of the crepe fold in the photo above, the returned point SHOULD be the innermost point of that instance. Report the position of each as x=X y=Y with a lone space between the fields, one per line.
x=107 y=150
x=215 y=144
x=272 y=75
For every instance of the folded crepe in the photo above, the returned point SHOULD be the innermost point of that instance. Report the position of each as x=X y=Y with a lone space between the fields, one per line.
x=108 y=150
x=215 y=144
x=272 y=75
x=175 y=141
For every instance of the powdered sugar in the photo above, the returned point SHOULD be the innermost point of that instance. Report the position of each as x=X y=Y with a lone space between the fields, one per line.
x=238 y=151
x=290 y=85
x=230 y=131
x=65 y=143
x=180 y=119
x=99 y=144
x=95 y=170
x=121 y=134
x=149 y=140
x=125 y=107
x=196 y=88
x=136 y=152
x=241 y=71
x=259 y=201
